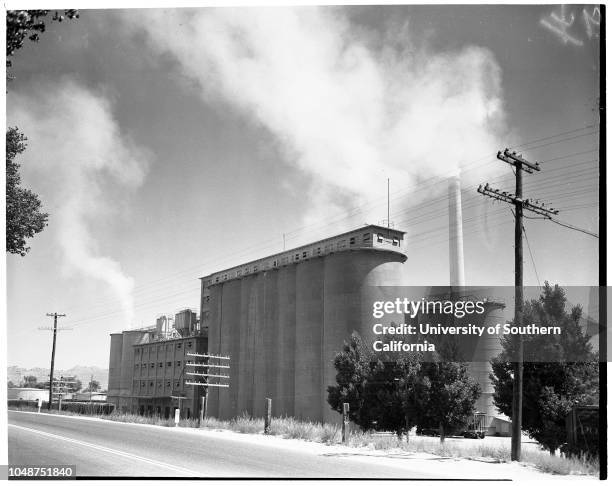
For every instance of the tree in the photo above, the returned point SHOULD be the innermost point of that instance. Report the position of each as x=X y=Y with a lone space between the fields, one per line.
x=28 y=23
x=29 y=381
x=443 y=396
x=10 y=384
x=24 y=217
x=560 y=371
x=74 y=386
x=93 y=386
x=374 y=385
x=353 y=367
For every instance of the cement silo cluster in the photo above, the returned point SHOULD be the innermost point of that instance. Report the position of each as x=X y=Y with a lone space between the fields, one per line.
x=283 y=318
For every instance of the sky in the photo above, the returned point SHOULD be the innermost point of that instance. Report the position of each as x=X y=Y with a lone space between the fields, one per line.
x=169 y=144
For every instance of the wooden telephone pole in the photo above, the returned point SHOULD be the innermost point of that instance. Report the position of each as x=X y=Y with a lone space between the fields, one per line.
x=520 y=204
x=205 y=377
x=55 y=315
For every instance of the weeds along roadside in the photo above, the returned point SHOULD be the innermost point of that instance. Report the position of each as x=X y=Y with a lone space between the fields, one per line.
x=291 y=428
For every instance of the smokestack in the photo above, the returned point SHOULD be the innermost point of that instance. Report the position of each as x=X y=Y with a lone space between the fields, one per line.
x=455 y=233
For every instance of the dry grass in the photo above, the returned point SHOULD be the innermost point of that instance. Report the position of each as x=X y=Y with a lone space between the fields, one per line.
x=292 y=428
x=561 y=465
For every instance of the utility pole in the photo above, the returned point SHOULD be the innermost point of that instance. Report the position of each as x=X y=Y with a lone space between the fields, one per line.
x=210 y=371
x=55 y=315
x=520 y=165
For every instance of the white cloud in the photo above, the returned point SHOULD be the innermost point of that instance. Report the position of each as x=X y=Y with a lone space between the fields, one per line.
x=75 y=144
x=346 y=112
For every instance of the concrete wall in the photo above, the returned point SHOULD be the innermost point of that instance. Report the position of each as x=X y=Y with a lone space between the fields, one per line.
x=488 y=347
x=114 y=368
x=130 y=338
x=283 y=327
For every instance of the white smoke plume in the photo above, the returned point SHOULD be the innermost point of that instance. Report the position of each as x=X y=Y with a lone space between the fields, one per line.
x=85 y=166
x=348 y=111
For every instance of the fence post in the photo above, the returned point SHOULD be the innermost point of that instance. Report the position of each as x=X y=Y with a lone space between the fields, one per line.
x=59 y=404
x=345 y=422
x=268 y=417
x=39 y=404
x=177 y=416
x=203 y=410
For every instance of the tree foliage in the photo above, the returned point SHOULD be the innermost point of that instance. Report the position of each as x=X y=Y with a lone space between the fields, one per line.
x=29 y=381
x=22 y=24
x=93 y=386
x=443 y=396
x=24 y=217
x=568 y=377
x=396 y=391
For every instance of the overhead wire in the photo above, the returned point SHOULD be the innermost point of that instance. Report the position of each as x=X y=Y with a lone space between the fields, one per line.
x=419 y=186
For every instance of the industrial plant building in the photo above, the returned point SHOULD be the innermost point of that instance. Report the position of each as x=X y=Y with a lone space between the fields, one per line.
x=147 y=367
x=283 y=318
x=280 y=320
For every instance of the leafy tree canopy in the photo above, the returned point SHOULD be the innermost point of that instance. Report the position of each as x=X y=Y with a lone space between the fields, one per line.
x=569 y=377
x=22 y=24
x=24 y=217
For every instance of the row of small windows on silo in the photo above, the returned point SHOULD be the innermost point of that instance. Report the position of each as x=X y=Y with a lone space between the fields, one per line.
x=341 y=244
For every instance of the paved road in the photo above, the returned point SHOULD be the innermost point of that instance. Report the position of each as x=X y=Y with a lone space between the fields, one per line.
x=105 y=448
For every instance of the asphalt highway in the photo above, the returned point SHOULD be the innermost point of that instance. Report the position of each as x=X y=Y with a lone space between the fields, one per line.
x=105 y=448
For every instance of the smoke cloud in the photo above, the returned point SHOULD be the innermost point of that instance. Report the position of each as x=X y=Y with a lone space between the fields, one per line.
x=84 y=166
x=346 y=108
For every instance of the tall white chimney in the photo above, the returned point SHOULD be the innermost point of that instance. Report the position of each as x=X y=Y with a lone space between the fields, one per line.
x=455 y=233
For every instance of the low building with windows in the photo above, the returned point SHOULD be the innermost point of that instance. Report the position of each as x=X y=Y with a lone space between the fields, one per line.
x=147 y=367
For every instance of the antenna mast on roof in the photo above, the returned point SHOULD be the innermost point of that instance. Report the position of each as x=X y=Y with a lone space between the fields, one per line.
x=388 y=211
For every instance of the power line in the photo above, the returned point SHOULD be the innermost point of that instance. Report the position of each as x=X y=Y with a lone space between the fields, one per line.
x=573 y=227
x=422 y=185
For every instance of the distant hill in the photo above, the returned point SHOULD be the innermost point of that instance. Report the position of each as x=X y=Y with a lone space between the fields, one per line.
x=83 y=373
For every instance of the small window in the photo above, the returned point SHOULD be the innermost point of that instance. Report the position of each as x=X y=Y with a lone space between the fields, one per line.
x=178 y=363
x=238 y=273
x=168 y=384
x=178 y=345
x=161 y=365
x=395 y=242
x=152 y=365
x=189 y=344
x=216 y=279
x=379 y=238
x=168 y=364
x=352 y=240
x=297 y=256
x=177 y=384
x=367 y=236
x=305 y=254
x=274 y=263
x=225 y=277
x=318 y=250
x=151 y=384
x=254 y=268
x=207 y=298
x=142 y=383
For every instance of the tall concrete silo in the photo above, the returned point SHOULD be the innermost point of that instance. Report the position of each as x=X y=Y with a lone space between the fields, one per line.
x=114 y=368
x=282 y=319
x=129 y=338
